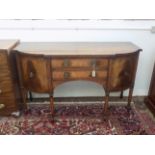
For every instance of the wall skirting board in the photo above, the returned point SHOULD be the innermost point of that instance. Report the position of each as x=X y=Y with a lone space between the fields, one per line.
x=88 y=99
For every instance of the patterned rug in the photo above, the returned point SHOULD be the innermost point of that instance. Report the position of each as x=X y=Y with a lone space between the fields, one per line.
x=81 y=119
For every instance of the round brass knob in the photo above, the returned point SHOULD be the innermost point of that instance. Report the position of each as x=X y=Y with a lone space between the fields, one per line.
x=2 y=106
x=31 y=75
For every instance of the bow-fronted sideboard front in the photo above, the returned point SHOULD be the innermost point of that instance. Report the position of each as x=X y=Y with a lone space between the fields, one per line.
x=44 y=65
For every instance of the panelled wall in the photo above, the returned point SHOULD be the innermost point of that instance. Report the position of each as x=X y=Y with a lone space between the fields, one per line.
x=141 y=32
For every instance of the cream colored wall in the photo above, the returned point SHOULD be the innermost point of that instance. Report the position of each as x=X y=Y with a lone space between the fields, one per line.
x=136 y=31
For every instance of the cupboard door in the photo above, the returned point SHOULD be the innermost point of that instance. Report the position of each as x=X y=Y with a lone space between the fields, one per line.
x=122 y=71
x=33 y=71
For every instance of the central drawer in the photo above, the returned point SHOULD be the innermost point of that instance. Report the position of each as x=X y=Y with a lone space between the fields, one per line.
x=66 y=75
x=78 y=63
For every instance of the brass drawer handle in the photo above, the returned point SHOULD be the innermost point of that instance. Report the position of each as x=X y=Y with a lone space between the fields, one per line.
x=66 y=75
x=2 y=106
x=31 y=75
x=0 y=91
x=66 y=63
x=93 y=73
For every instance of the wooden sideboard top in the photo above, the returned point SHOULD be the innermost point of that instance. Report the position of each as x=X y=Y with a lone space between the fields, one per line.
x=8 y=44
x=77 y=48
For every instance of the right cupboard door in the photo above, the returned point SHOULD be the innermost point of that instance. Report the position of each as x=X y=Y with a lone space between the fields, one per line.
x=122 y=71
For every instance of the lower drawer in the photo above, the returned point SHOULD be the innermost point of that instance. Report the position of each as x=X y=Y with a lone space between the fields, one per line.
x=64 y=75
x=7 y=111
x=7 y=103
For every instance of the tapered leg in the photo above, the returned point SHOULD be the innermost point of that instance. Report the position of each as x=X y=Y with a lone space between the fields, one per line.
x=106 y=104
x=52 y=105
x=121 y=95
x=130 y=96
x=30 y=96
x=24 y=97
x=51 y=116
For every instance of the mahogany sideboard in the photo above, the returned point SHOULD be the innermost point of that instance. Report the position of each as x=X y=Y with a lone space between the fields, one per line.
x=10 y=97
x=150 y=99
x=44 y=65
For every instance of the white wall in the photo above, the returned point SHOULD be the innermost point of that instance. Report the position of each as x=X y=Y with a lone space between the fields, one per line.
x=136 y=31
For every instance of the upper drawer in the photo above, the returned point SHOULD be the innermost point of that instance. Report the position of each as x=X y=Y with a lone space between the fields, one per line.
x=77 y=62
x=3 y=58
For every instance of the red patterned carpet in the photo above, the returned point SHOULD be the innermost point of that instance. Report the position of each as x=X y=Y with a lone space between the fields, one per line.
x=79 y=120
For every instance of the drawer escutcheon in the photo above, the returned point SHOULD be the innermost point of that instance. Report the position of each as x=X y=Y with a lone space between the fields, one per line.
x=31 y=75
x=66 y=63
x=66 y=75
x=94 y=63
